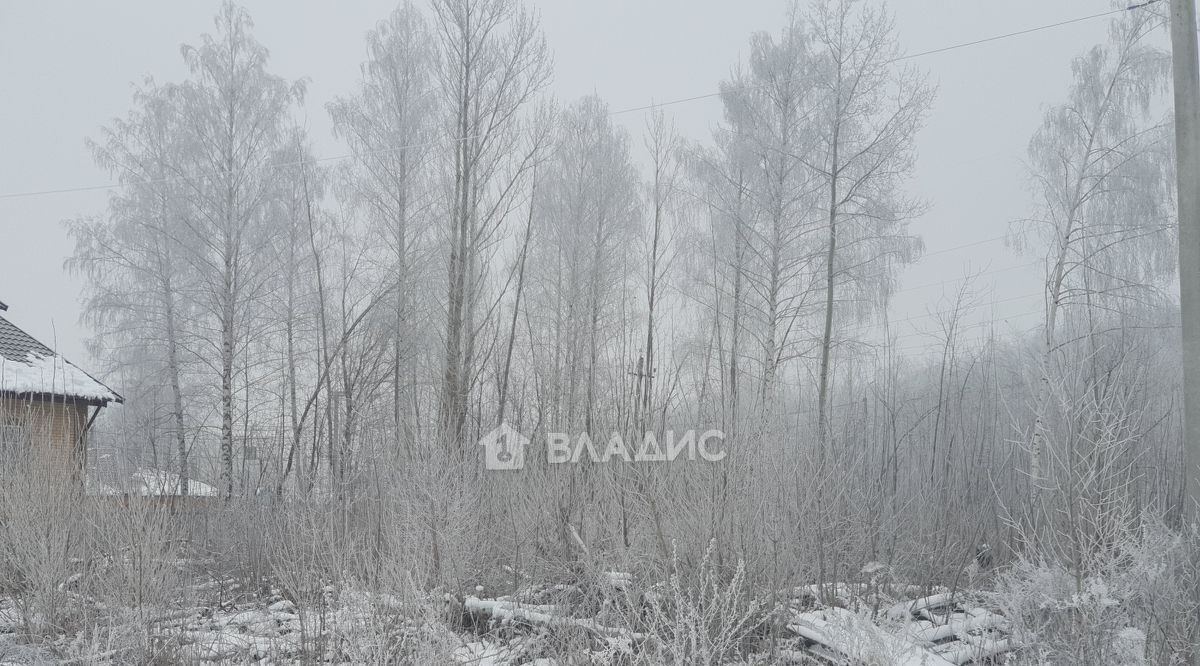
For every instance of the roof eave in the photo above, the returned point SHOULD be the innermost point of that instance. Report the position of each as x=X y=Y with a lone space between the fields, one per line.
x=44 y=396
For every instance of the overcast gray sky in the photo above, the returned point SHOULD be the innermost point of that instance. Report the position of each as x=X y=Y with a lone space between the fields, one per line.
x=66 y=69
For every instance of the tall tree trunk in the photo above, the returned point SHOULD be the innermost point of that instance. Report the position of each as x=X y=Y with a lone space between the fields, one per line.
x=227 y=354
x=512 y=326
x=401 y=332
x=823 y=428
x=176 y=391
x=453 y=409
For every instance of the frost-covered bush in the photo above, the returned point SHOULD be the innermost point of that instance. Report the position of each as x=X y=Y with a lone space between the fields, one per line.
x=137 y=572
x=1137 y=605
x=1163 y=579
x=41 y=548
x=373 y=628
x=1061 y=618
x=705 y=616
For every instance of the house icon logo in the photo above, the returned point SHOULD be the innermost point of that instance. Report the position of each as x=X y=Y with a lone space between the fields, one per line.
x=504 y=448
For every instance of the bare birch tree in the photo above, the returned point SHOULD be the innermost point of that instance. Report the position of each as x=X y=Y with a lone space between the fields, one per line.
x=389 y=124
x=233 y=119
x=140 y=292
x=866 y=113
x=1098 y=166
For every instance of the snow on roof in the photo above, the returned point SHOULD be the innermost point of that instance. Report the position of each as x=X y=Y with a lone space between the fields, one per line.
x=53 y=375
x=28 y=366
x=150 y=482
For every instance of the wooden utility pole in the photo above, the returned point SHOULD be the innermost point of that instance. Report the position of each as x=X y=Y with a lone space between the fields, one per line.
x=1187 y=150
x=1186 y=62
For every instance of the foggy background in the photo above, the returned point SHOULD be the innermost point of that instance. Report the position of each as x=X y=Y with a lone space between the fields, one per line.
x=67 y=68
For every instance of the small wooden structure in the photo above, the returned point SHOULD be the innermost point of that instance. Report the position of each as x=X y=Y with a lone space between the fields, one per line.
x=47 y=405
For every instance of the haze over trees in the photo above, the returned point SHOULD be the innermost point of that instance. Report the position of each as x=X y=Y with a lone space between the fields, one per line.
x=326 y=343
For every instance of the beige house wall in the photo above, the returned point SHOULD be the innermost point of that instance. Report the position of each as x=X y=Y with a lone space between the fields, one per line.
x=55 y=428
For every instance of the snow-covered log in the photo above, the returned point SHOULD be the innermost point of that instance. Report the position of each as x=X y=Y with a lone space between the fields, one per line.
x=975 y=648
x=846 y=633
x=960 y=624
x=907 y=609
x=507 y=610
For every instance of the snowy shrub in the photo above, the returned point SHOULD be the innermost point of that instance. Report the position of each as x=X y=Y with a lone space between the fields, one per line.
x=1136 y=606
x=380 y=629
x=1097 y=576
x=420 y=521
x=231 y=542
x=1163 y=579
x=300 y=560
x=703 y=616
x=1064 y=619
x=41 y=548
x=138 y=573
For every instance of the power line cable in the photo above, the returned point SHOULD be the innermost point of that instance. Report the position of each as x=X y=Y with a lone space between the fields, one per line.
x=979 y=324
x=909 y=56
x=944 y=313
x=964 y=246
x=966 y=278
x=1028 y=31
x=657 y=105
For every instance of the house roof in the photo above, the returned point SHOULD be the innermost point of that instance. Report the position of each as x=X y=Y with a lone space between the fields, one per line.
x=149 y=482
x=30 y=367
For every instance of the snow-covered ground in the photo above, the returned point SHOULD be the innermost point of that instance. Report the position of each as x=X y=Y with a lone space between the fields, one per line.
x=348 y=626
x=599 y=617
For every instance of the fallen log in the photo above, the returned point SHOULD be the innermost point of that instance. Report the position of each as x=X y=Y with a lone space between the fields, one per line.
x=907 y=609
x=975 y=648
x=959 y=625
x=508 y=610
x=845 y=633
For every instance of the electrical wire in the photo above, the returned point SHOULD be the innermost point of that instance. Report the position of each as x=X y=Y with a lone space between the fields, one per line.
x=648 y=107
